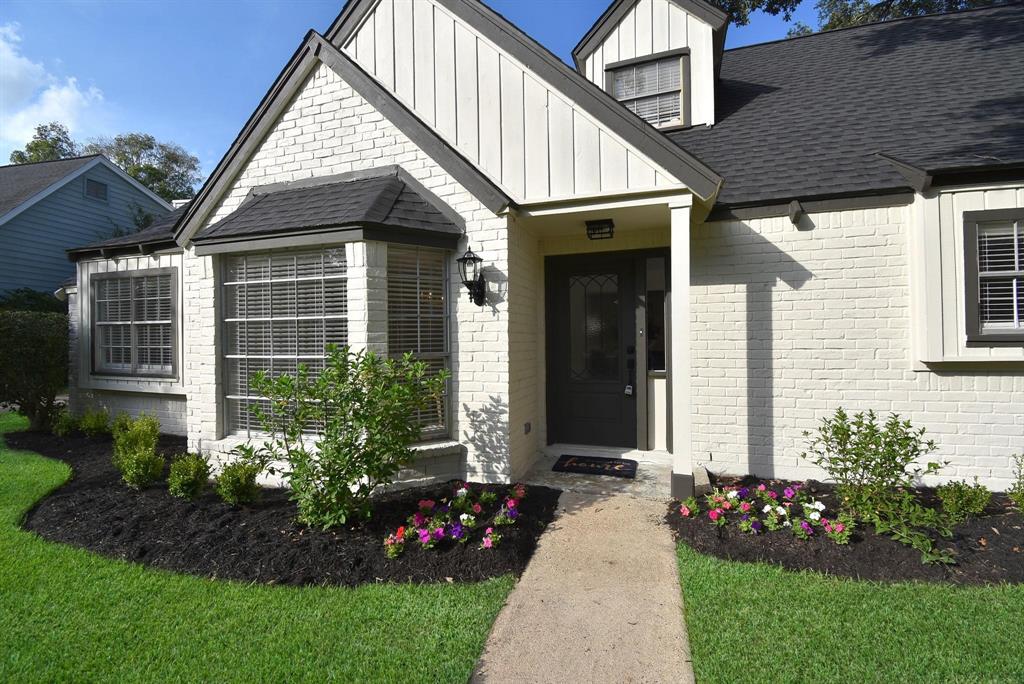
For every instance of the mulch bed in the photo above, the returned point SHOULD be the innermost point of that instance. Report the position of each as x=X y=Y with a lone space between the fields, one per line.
x=988 y=549
x=259 y=543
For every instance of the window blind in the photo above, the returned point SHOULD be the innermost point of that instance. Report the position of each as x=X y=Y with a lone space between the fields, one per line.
x=1001 y=276
x=418 y=319
x=651 y=90
x=134 y=323
x=280 y=310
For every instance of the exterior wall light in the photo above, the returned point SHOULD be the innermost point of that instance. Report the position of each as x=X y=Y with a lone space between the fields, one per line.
x=473 y=277
x=602 y=229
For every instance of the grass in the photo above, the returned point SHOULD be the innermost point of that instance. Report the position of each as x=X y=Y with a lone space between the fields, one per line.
x=759 y=622
x=67 y=614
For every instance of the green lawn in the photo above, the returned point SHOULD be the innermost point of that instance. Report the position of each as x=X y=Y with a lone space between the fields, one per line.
x=750 y=622
x=66 y=614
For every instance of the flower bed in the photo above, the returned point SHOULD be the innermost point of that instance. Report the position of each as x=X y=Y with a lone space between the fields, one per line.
x=799 y=526
x=263 y=543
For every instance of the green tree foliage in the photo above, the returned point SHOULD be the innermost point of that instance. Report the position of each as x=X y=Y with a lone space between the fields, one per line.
x=27 y=299
x=52 y=141
x=165 y=168
x=833 y=14
x=33 y=363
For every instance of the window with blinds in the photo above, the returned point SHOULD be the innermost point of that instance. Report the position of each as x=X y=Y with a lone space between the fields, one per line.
x=1001 y=276
x=651 y=90
x=133 y=323
x=280 y=310
x=418 y=319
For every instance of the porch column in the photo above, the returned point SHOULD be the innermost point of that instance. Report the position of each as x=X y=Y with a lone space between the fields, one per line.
x=680 y=364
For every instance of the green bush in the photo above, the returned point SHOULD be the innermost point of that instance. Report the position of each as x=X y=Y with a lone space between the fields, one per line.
x=27 y=299
x=961 y=500
x=345 y=432
x=1016 y=490
x=95 y=423
x=236 y=483
x=189 y=474
x=33 y=363
x=875 y=467
x=64 y=423
x=135 y=454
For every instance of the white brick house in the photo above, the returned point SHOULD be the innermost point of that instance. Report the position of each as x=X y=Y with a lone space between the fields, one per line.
x=696 y=272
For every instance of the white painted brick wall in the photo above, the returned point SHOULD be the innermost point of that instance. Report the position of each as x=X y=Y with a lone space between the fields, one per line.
x=329 y=129
x=789 y=325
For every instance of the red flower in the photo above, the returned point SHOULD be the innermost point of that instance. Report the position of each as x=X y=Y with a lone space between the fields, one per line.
x=401 y=532
x=477 y=508
x=726 y=505
x=714 y=514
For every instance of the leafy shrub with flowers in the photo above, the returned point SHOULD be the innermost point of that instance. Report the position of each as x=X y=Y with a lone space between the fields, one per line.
x=758 y=509
x=454 y=518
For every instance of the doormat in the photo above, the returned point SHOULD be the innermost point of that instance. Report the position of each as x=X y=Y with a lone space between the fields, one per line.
x=595 y=465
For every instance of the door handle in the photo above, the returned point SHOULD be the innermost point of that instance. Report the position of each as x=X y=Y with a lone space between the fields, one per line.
x=629 y=390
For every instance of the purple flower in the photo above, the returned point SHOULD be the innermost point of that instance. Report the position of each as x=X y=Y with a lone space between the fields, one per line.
x=757 y=526
x=807 y=527
x=457 y=531
x=443 y=508
x=744 y=517
x=744 y=492
x=439 y=533
x=418 y=519
x=424 y=535
x=789 y=492
x=512 y=513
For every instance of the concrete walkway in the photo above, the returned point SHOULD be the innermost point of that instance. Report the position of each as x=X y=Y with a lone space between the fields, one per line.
x=600 y=601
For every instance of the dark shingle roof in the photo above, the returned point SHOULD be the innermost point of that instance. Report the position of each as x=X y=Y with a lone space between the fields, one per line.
x=20 y=182
x=160 y=232
x=806 y=117
x=378 y=201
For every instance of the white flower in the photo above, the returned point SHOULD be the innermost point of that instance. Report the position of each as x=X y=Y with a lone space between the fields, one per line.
x=467 y=519
x=786 y=523
x=815 y=516
x=461 y=492
x=732 y=494
x=767 y=508
x=820 y=506
x=780 y=510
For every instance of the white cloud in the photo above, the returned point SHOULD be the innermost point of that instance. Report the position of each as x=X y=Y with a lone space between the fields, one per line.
x=30 y=95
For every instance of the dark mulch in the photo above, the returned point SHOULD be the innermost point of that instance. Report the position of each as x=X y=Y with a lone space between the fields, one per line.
x=262 y=542
x=988 y=549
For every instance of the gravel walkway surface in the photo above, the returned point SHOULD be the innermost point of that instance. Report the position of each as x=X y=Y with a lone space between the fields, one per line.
x=599 y=601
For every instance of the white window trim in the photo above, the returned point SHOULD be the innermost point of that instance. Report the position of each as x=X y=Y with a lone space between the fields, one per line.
x=685 y=88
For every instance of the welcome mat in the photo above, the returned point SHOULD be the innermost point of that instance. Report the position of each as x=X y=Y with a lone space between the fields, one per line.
x=595 y=465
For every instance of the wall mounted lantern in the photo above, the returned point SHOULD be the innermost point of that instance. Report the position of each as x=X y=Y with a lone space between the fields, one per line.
x=602 y=229
x=473 y=277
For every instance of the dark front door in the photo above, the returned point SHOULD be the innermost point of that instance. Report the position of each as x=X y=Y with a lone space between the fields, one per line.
x=591 y=350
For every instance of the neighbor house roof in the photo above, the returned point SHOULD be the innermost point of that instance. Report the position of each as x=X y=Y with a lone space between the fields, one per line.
x=381 y=204
x=857 y=111
x=22 y=185
x=159 y=235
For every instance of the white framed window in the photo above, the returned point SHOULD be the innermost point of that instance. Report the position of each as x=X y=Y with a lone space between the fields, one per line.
x=994 y=274
x=652 y=87
x=418 y=320
x=279 y=309
x=95 y=189
x=134 y=323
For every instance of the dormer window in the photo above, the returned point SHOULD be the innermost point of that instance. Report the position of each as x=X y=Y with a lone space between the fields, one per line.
x=652 y=87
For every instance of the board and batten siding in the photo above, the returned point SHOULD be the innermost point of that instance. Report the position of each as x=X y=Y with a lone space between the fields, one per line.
x=653 y=26
x=33 y=244
x=937 y=267
x=526 y=136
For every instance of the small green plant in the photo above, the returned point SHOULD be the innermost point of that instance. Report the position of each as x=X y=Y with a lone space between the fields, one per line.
x=960 y=500
x=95 y=423
x=64 y=423
x=1016 y=490
x=236 y=483
x=135 y=450
x=189 y=474
x=140 y=469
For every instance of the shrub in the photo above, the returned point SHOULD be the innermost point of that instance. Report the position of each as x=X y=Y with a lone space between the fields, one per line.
x=1016 y=490
x=64 y=423
x=874 y=467
x=236 y=483
x=27 y=299
x=135 y=450
x=961 y=500
x=189 y=474
x=33 y=363
x=345 y=432
x=95 y=423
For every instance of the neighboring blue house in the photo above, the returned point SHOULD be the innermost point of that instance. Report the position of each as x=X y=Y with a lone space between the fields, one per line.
x=48 y=207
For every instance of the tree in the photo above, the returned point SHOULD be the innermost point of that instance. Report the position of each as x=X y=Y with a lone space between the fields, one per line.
x=833 y=14
x=165 y=168
x=51 y=141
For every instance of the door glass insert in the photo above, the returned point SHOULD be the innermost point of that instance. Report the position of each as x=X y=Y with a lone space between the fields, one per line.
x=594 y=327
x=656 y=314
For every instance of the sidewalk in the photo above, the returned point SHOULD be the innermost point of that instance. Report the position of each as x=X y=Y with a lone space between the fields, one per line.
x=600 y=601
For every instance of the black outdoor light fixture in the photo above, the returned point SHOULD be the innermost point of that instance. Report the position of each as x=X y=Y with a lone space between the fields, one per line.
x=473 y=277
x=601 y=229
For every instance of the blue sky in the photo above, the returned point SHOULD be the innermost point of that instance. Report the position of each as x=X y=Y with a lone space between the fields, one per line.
x=192 y=71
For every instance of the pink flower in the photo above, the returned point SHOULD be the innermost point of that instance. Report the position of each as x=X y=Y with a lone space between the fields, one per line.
x=773 y=495
x=789 y=492
x=684 y=511
x=439 y=533
x=714 y=514
x=726 y=505
x=488 y=543
x=477 y=508
x=426 y=504
x=511 y=503
x=419 y=520
x=424 y=535
x=761 y=487
x=744 y=506
x=489 y=530
x=839 y=527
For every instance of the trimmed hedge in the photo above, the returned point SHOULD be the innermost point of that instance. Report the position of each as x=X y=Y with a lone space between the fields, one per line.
x=33 y=363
